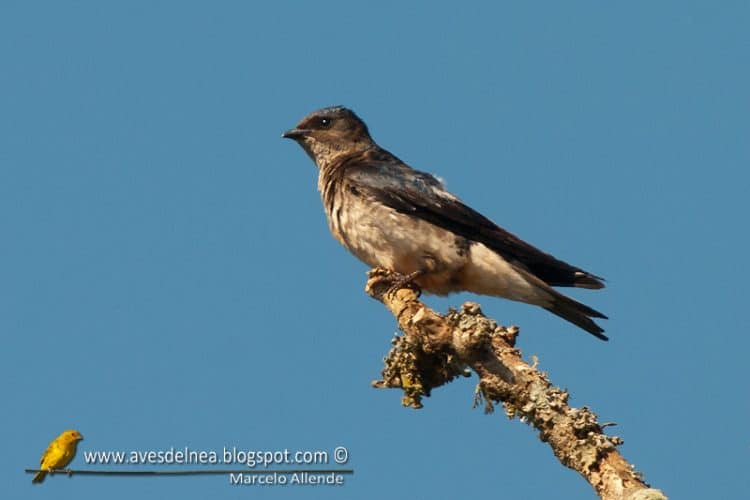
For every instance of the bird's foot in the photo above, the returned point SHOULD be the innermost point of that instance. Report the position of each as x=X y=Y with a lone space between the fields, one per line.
x=382 y=282
x=406 y=281
x=69 y=471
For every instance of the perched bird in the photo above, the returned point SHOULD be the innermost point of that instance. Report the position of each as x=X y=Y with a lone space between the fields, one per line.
x=59 y=453
x=392 y=216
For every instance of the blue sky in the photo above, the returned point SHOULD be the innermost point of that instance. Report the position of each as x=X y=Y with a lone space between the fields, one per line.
x=167 y=278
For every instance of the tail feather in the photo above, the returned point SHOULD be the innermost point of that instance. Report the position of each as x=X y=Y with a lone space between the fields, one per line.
x=39 y=477
x=582 y=279
x=565 y=307
x=577 y=313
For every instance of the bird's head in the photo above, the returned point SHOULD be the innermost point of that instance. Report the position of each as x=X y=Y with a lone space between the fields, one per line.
x=330 y=132
x=71 y=436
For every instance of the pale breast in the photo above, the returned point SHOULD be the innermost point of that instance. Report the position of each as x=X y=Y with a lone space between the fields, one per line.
x=381 y=236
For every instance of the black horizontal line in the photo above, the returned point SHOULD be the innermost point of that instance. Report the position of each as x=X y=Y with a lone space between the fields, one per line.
x=188 y=472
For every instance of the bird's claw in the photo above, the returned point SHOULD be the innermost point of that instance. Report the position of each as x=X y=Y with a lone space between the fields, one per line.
x=406 y=281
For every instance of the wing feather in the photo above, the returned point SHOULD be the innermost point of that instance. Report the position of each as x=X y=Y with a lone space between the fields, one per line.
x=388 y=180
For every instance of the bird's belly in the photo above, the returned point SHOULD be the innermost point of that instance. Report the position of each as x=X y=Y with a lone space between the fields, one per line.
x=383 y=237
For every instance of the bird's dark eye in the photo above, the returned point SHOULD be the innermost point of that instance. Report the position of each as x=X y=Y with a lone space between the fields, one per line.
x=324 y=122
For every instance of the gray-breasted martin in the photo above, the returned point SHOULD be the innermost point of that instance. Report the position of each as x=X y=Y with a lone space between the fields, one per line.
x=392 y=216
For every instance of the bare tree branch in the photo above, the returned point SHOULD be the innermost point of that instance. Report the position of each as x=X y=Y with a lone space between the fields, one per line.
x=435 y=349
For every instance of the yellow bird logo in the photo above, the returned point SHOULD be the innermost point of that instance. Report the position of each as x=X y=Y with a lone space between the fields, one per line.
x=59 y=453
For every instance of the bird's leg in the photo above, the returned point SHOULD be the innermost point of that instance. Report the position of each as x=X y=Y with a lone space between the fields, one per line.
x=69 y=471
x=404 y=280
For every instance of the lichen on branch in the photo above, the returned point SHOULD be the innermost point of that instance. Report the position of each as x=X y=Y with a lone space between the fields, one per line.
x=435 y=349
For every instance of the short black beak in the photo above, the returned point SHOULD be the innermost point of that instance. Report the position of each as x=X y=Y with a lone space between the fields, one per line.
x=294 y=133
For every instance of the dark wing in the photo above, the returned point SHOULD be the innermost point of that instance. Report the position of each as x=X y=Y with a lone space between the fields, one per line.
x=388 y=180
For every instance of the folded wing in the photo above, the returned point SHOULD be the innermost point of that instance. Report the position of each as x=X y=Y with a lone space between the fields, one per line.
x=388 y=180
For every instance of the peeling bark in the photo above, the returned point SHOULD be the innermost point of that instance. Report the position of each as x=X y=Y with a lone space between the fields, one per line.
x=435 y=349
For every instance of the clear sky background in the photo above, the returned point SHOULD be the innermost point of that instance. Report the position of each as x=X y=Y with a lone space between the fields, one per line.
x=167 y=278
